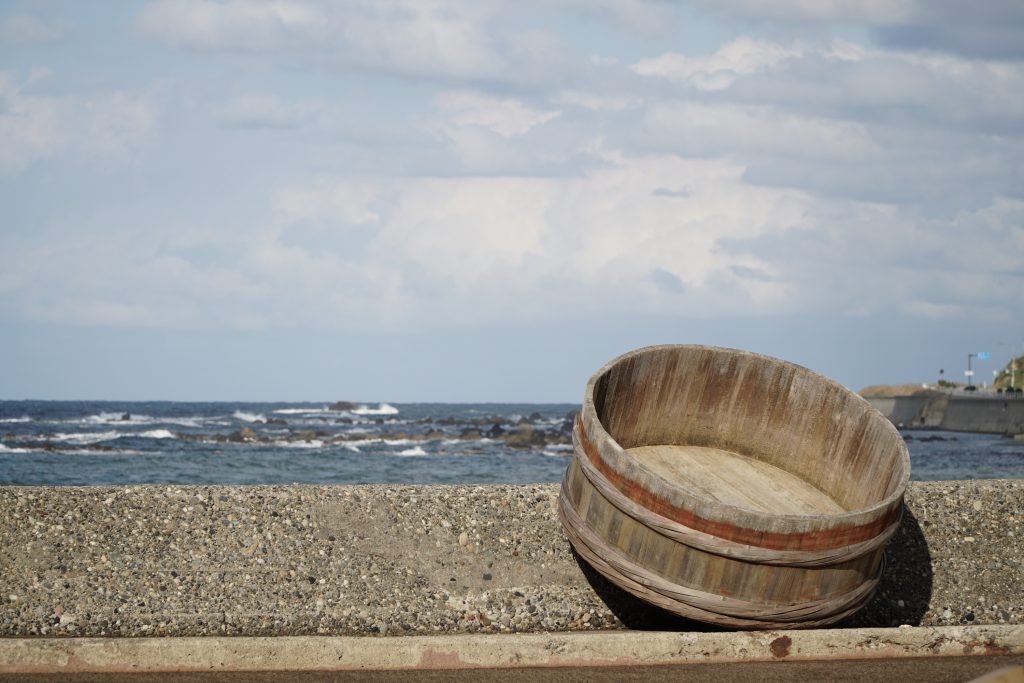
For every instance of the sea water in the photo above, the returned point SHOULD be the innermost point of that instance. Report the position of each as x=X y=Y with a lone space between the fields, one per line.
x=46 y=443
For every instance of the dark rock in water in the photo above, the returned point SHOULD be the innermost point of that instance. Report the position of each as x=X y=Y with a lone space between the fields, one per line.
x=433 y=434
x=126 y=417
x=341 y=406
x=343 y=421
x=482 y=422
x=244 y=435
x=561 y=438
x=308 y=435
x=495 y=431
x=277 y=421
x=523 y=421
x=536 y=417
x=525 y=436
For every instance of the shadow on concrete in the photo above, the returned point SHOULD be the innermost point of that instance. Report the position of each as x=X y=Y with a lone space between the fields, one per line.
x=633 y=612
x=907 y=578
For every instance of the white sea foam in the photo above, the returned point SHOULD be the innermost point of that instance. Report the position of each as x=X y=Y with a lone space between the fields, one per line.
x=8 y=449
x=137 y=420
x=84 y=438
x=389 y=442
x=248 y=417
x=381 y=409
x=415 y=450
x=12 y=420
x=300 y=411
x=313 y=443
x=154 y=434
x=108 y=418
x=86 y=451
x=89 y=438
x=558 y=450
x=183 y=421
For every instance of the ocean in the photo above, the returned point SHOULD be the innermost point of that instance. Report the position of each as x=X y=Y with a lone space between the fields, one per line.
x=58 y=443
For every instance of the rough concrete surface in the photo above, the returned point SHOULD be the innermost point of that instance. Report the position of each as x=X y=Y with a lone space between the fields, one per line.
x=406 y=560
x=999 y=645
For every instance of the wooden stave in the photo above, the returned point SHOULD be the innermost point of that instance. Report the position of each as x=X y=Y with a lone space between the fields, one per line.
x=884 y=516
x=714 y=544
x=779 y=532
x=691 y=612
x=690 y=601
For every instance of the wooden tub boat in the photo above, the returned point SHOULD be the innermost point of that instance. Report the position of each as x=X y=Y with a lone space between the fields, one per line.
x=733 y=488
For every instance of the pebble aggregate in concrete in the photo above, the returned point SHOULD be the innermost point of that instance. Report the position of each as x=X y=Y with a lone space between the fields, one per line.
x=402 y=560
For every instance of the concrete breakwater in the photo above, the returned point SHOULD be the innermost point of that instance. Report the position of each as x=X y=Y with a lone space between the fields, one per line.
x=934 y=410
x=405 y=560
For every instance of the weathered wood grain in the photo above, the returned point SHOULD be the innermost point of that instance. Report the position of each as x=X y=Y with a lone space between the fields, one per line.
x=735 y=479
x=740 y=489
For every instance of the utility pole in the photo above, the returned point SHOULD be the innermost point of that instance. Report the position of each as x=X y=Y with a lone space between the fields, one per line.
x=969 y=373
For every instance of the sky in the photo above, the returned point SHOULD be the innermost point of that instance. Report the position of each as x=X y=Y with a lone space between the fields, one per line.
x=291 y=200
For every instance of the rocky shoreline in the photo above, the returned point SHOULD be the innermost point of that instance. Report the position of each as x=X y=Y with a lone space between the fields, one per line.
x=524 y=433
x=527 y=432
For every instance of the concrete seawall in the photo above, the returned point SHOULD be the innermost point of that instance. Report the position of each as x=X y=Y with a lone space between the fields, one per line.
x=953 y=413
x=406 y=560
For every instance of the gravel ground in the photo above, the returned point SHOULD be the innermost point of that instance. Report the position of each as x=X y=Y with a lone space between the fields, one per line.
x=398 y=560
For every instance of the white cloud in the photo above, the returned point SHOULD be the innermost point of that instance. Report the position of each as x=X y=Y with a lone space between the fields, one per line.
x=31 y=127
x=740 y=57
x=841 y=119
x=993 y=236
x=844 y=79
x=349 y=203
x=517 y=246
x=25 y=29
x=815 y=11
x=116 y=122
x=234 y=25
x=647 y=17
x=263 y=111
x=699 y=129
x=34 y=127
x=505 y=116
x=435 y=38
x=933 y=311
x=598 y=101
x=989 y=30
x=766 y=177
x=478 y=249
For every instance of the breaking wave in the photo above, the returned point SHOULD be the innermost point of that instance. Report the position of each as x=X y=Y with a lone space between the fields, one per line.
x=381 y=409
